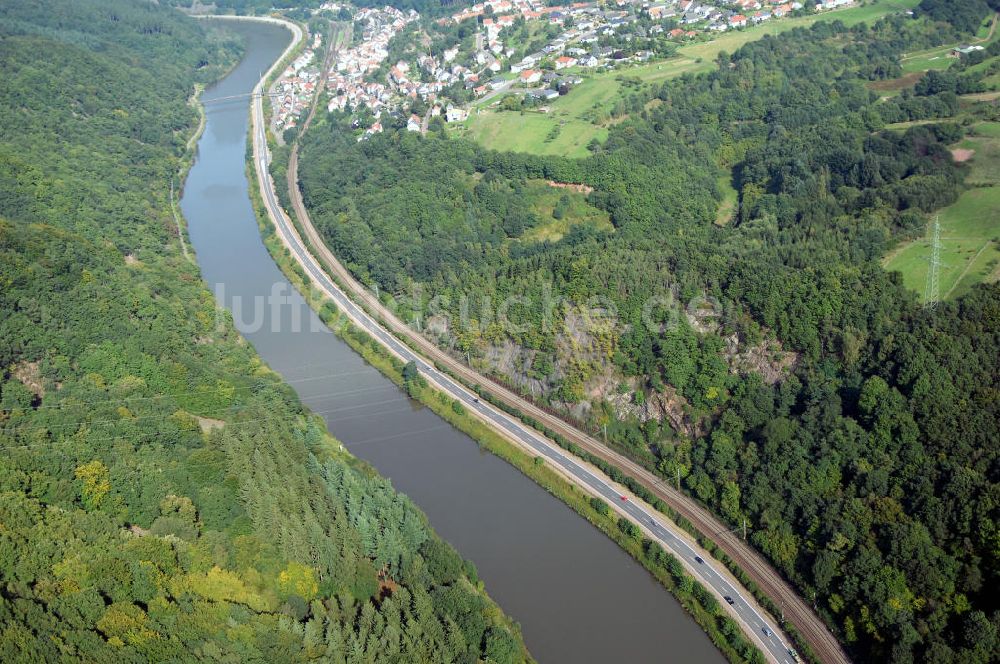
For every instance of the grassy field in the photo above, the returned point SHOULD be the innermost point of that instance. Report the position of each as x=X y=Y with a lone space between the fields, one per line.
x=528 y=133
x=893 y=86
x=731 y=41
x=921 y=61
x=988 y=130
x=576 y=119
x=970 y=229
x=939 y=57
x=903 y=126
x=568 y=126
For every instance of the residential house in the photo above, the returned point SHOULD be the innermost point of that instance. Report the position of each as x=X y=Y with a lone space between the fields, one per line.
x=529 y=76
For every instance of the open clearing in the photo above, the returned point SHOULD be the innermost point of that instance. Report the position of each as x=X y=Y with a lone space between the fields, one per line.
x=545 y=198
x=527 y=132
x=730 y=199
x=894 y=86
x=970 y=229
x=940 y=57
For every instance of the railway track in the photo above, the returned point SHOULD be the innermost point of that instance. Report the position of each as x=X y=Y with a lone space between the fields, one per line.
x=793 y=607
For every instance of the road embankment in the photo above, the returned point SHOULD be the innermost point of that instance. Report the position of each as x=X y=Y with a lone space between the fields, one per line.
x=378 y=323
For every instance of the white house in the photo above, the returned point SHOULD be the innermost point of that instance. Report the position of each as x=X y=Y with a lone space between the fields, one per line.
x=454 y=114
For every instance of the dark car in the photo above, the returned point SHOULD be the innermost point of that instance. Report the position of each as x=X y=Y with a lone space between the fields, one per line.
x=698 y=559
x=729 y=600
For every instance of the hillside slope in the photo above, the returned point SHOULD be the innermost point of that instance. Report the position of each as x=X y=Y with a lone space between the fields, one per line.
x=162 y=494
x=769 y=365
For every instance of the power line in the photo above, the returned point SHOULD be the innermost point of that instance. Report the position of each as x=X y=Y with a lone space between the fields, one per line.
x=932 y=292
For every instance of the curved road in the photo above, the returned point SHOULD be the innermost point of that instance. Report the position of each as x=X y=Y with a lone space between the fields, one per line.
x=759 y=625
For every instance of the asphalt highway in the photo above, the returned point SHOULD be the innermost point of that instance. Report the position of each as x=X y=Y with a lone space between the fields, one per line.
x=757 y=624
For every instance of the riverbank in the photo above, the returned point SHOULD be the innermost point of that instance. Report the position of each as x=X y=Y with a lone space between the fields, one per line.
x=665 y=568
x=713 y=619
x=212 y=186
x=536 y=423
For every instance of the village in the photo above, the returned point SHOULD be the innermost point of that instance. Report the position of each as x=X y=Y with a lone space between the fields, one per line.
x=588 y=36
x=292 y=93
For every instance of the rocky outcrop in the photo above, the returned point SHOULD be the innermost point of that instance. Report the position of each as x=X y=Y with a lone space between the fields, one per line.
x=766 y=358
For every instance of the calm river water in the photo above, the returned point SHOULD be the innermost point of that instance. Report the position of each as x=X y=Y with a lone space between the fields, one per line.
x=577 y=596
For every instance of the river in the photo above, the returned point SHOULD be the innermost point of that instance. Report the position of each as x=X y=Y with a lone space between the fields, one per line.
x=577 y=596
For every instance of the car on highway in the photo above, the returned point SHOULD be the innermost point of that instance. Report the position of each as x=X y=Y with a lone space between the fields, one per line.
x=699 y=560
x=767 y=632
x=729 y=600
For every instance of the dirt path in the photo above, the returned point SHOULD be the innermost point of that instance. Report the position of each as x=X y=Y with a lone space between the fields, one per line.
x=993 y=29
x=968 y=266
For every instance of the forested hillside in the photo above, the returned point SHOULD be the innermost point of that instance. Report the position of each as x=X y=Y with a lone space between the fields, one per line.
x=164 y=496
x=857 y=432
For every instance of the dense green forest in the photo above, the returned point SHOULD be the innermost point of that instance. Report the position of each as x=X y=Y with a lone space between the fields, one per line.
x=964 y=15
x=868 y=467
x=164 y=496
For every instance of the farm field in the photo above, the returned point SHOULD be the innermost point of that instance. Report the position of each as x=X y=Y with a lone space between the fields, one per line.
x=970 y=229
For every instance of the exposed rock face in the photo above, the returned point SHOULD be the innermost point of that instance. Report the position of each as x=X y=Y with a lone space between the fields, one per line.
x=515 y=362
x=766 y=358
x=666 y=406
x=208 y=424
x=579 y=188
x=29 y=375
x=583 y=358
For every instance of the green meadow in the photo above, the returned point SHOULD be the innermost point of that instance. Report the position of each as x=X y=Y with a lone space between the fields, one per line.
x=970 y=229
